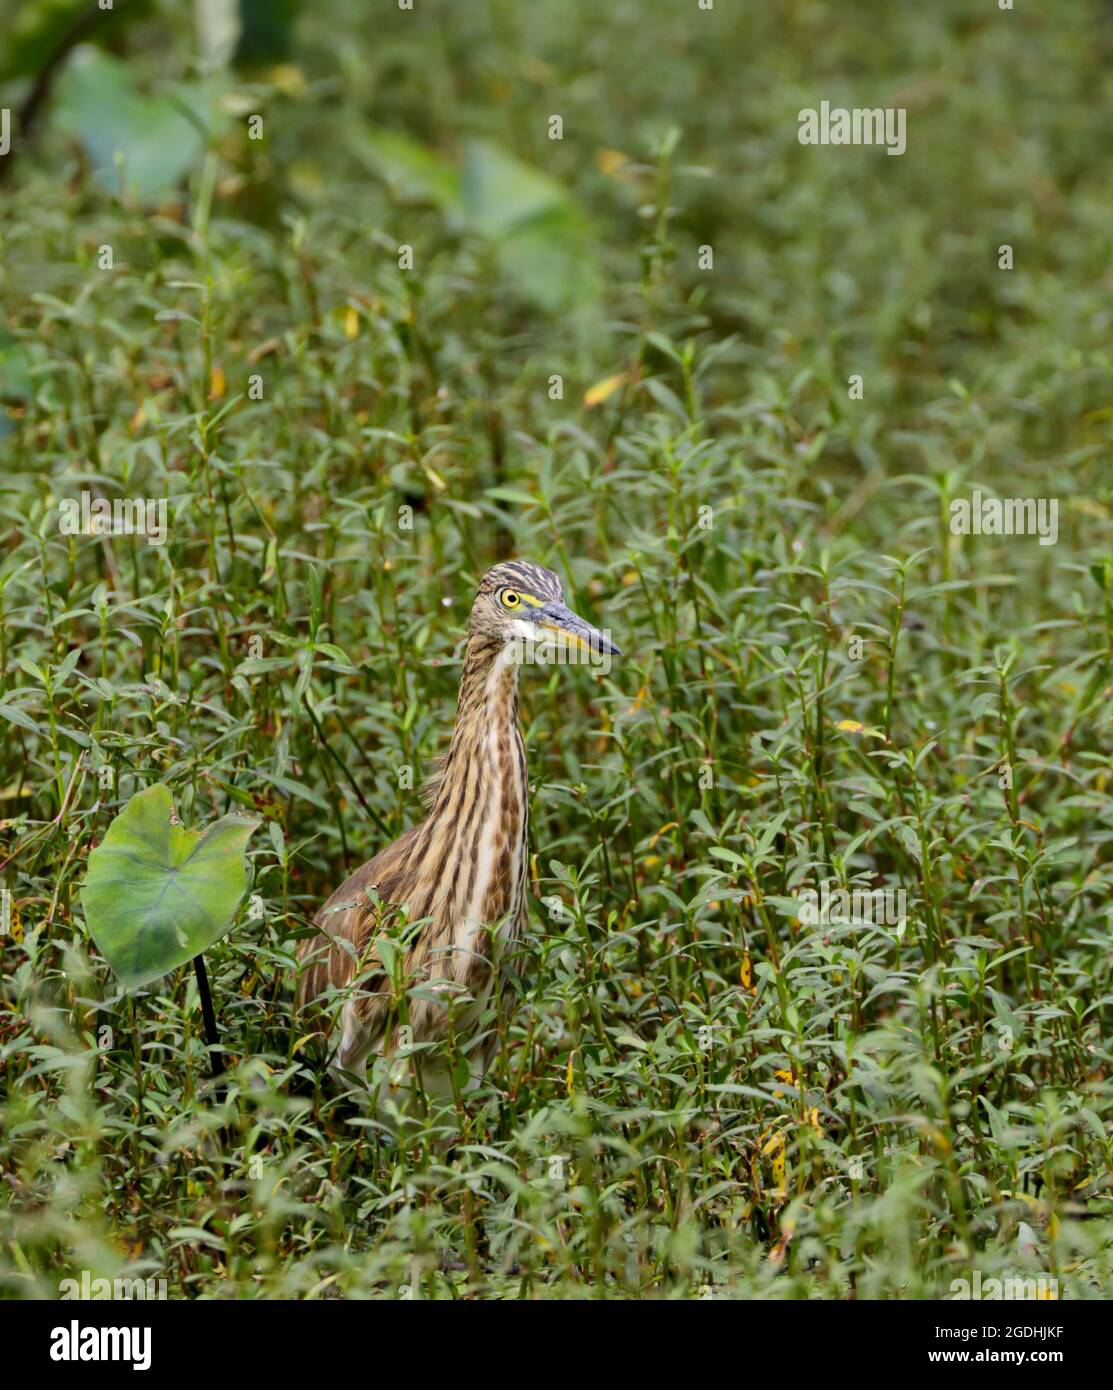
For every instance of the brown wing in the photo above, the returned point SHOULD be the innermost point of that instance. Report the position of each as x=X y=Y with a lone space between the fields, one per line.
x=349 y=922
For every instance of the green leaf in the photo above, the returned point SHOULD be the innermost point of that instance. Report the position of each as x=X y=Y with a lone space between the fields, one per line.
x=17 y=716
x=415 y=173
x=156 y=894
x=293 y=788
x=537 y=227
x=155 y=136
x=34 y=34
x=721 y=852
x=550 y=260
x=15 y=369
x=501 y=193
x=511 y=494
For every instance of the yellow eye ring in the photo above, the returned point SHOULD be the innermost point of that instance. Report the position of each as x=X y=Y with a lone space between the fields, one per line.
x=510 y=598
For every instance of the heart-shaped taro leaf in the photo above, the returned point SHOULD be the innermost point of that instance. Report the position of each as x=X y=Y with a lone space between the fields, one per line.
x=148 y=143
x=156 y=894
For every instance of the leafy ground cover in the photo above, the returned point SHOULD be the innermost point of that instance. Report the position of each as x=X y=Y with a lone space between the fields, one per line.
x=627 y=354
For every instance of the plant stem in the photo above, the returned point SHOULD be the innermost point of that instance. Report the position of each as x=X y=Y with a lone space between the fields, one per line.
x=216 y=1056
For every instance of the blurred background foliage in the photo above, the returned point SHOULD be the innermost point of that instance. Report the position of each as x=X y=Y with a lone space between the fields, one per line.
x=695 y=1092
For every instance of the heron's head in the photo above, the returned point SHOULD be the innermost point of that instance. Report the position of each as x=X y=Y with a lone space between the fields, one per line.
x=522 y=603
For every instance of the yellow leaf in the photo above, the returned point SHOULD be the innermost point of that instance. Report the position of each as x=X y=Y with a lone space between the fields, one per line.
x=351 y=323
x=852 y=726
x=536 y=71
x=746 y=974
x=570 y=1074
x=672 y=825
x=609 y=161
x=939 y=1139
x=305 y=178
x=603 y=390
x=217 y=384
x=639 y=700
x=775 y=1150
x=288 y=78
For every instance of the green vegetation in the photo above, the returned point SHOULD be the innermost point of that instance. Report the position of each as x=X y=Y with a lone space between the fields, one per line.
x=821 y=683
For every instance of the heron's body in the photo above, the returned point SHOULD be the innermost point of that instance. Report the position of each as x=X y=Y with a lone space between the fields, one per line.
x=460 y=876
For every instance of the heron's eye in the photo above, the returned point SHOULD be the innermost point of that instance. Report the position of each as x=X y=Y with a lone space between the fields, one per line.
x=510 y=598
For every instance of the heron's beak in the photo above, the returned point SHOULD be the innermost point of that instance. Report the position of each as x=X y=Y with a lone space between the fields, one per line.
x=554 y=617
